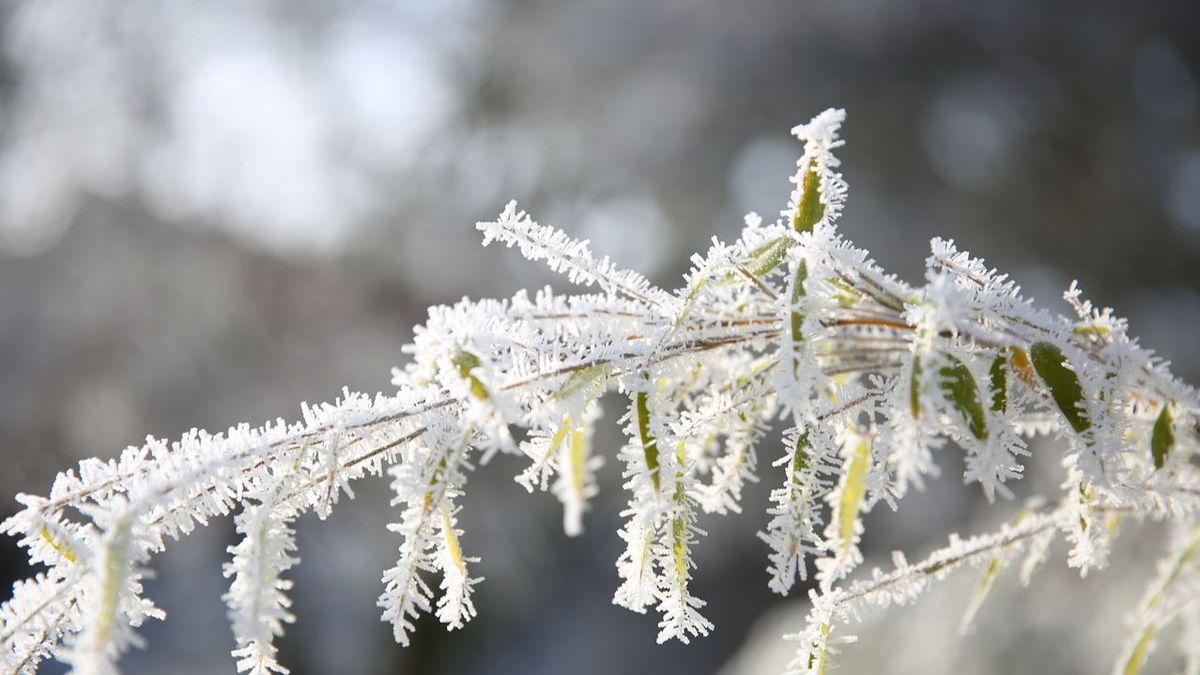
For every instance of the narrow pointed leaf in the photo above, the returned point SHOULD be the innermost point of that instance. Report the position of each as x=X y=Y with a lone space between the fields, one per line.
x=649 y=443
x=797 y=294
x=999 y=384
x=1162 y=438
x=810 y=210
x=764 y=259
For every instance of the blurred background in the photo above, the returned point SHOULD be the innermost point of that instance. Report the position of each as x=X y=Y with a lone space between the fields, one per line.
x=210 y=212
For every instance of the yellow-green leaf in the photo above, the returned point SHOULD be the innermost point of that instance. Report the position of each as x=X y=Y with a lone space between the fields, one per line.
x=855 y=489
x=60 y=547
x=452 y=545
x=819 y=652
x=679 y=548
x=578 y=460
x=581 y=379
x=466 y=362
x=1141 y=650
x=560 y=435
x=649 y=443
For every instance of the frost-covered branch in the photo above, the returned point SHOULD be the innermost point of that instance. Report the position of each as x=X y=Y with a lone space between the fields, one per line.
x=790 y=325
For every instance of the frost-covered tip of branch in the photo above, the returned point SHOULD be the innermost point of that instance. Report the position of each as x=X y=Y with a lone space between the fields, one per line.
x=810 y=466
x=570 y=256
x=257 y=598
x=817 y=165
x=834 y=608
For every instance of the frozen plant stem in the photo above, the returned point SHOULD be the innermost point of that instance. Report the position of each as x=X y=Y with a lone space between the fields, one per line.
x=790 y=322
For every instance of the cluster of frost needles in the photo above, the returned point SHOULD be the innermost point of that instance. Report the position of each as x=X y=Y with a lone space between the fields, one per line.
x=791 y=322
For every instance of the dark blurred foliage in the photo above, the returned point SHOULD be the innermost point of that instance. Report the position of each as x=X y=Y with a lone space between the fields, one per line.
x=209 y=213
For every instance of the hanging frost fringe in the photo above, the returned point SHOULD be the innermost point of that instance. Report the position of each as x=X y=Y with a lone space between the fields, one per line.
x=873 y=378
x=577 y=466
x=834 y=608
x=810 y=467
x=257 y=598
x=428 y=483
x=111 y=597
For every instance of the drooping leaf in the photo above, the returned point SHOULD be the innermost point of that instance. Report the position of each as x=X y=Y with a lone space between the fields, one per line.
x=649 y=443
x=797 y=294
x=855 y=489
x=1063 y=382
x=959 y=387
x=999 y=377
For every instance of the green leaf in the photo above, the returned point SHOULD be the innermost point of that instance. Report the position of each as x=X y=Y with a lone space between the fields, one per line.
x=797 y=293
x=810 y=210
x=800 y=456
x=1052 y=367
x=1162 y=438
x=959 y=386
x=846 y=295
x=999 y=384
x=764 y=259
